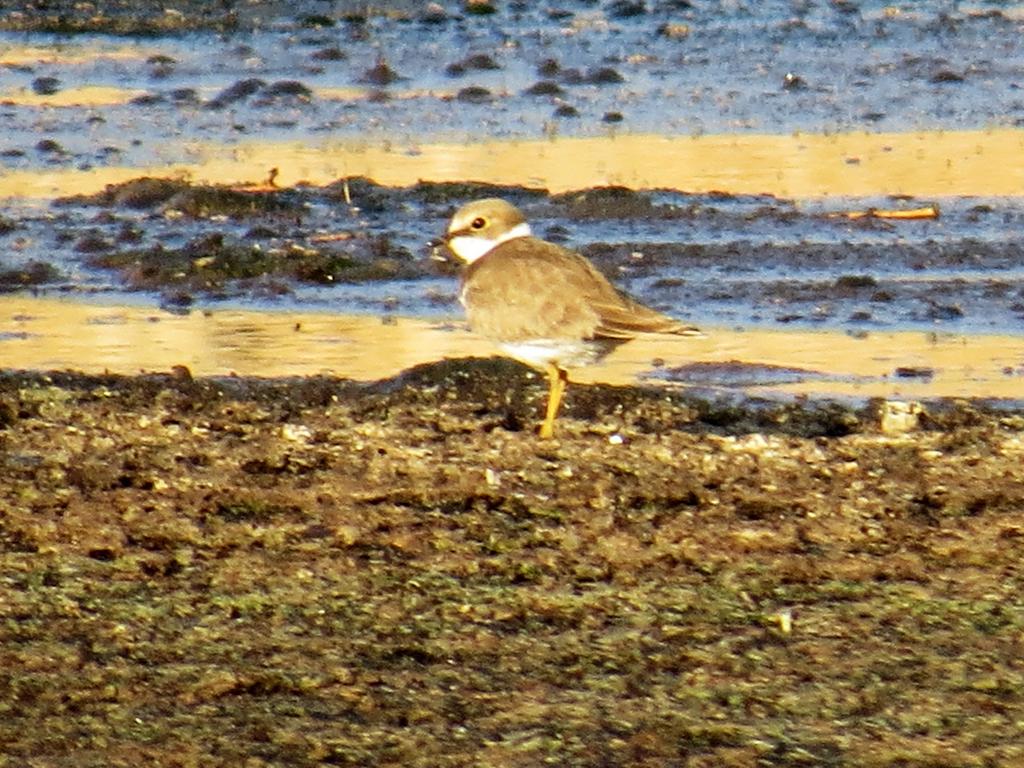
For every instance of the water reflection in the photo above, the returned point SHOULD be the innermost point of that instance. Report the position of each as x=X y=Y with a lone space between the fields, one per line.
x=46 y=334
x=951 y=163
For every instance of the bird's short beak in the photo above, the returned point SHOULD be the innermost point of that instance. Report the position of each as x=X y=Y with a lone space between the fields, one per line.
x=436 y=254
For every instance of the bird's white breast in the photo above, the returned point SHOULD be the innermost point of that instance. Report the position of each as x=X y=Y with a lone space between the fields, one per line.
x=564 y=353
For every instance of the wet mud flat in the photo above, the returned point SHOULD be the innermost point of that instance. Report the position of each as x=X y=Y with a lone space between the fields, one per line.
x=310 y=571
x=404 y=70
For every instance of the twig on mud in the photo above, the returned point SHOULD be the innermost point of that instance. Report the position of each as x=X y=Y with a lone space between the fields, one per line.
x=925 y=212
x=261 y=186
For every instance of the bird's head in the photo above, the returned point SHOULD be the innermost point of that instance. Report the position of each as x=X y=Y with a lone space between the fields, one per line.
x=477 y=227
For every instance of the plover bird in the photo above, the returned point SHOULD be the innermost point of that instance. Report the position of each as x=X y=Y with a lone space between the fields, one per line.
x=543 y=304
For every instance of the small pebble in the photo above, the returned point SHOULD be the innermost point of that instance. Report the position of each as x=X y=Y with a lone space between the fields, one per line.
x=626 y=9
x=184 y=96
x=46 y=86
x=288 y=88
x=474 y=94
x=236 y=92
x=914 y=372
x=147 y=100
x=49 y=146
x=480 y=7
x=545 y=88
x=381 y=74
x=898 y=417
x=332 y=53
x=296 y=433
x=793 y=82
x=604 y=76
x=480 y=61
x=674 y=31
x=784 y=619
x=316 y=21
x=548 y=68
x=946 y=76
x=434 y=13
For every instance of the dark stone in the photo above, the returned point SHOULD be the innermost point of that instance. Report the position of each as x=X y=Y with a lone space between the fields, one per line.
x=288 y=88
x=147 y=100
x=793 y=82
x=240 y=90
x=604 y=76
x=946 y=76
x=46 y=86
x=381 y=74
x=545 y=88
x=474 y=94
x=331 y=53
x=50 y=147
x=548 y=68
x=626 y=9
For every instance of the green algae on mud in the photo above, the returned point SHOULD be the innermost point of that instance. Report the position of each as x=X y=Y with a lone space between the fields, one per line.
x=308 y=571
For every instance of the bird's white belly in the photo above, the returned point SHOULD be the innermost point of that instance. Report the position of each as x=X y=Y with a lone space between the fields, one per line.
x=561 y=352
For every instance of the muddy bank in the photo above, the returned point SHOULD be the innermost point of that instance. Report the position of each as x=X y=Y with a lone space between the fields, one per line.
x=713 y=259
x=309 y=571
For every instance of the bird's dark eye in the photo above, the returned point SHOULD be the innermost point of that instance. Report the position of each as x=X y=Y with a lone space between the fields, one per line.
x=478 y=222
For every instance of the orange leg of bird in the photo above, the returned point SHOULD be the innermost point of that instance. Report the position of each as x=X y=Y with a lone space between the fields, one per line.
x=557 y=378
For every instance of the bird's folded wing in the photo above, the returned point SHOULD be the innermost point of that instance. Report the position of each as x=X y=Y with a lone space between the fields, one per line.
x=528 y=288
x=626 y=318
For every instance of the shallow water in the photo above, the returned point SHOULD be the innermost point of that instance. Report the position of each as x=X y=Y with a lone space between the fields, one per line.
x=974 y=163
x=96 y=338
